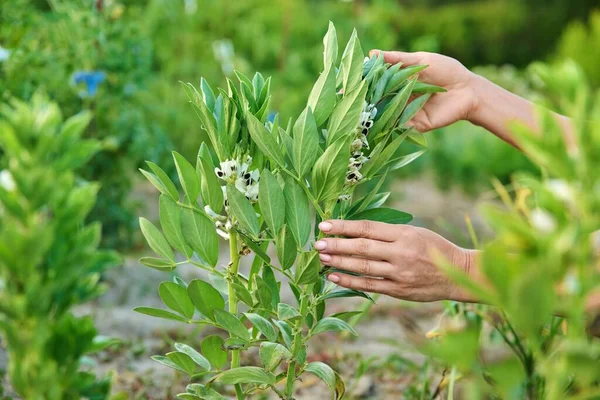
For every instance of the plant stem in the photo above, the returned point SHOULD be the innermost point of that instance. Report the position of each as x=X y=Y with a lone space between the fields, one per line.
x=308 y=194
x=298 y=341
x=233 y=271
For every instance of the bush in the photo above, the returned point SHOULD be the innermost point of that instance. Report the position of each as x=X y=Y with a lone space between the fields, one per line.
x=49 y=260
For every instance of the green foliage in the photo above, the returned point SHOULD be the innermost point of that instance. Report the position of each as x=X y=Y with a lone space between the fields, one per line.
x=49 y=261
x=541 y=269
x=272 y=181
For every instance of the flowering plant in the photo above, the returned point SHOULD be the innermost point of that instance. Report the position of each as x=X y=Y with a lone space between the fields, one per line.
x=256 y=184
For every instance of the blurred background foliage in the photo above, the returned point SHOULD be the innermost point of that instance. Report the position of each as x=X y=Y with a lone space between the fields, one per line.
x=135 y=53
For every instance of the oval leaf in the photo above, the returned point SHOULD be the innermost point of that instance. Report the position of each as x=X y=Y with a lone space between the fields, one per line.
x=271 y=201
x=383 y=214
x=170 y=221
x=242 y=210
x=201 y=235
x=176 y=298
x=205 y=298
x=156 y=240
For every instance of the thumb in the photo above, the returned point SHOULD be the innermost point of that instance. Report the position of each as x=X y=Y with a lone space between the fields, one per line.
x=395 y=57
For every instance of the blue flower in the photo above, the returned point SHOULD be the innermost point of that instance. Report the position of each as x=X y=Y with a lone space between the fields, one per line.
x=91 y=79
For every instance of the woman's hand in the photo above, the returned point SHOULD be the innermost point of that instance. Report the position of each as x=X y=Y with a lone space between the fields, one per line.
x=443 y=109
x=395 y=259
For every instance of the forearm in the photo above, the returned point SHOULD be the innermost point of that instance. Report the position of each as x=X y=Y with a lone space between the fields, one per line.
x=496 y=109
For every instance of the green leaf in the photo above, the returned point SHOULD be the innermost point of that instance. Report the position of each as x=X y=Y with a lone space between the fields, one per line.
x=156 y=240
x=264 y=293
x=242 y=210
x=286 y=332
x=308 y=268
x=209 y=186
x=182 y=360
x=328 y=324
x=330 y=44
x=297 y=213
x=329 y=172
x=254 y=246
x=346 y=115
x=286 y=248
x=158 y=264
x=264 y=139
x=322 y=97
x=254 y=375
x=164 y=179
x=380 y=159
x=352 y=63
x=271 y=201
x=404 y=160
x=393 y=110
x=398 y=79
x=305 y=143
x=169 y=363
x=170 y=221
x=187 y=177
x=207 y=94
x=201 y=235
x=155 y=182
x=327 y=375
x=212 y=348
x=287 y=312
x=388 y=215
x=243 y=294
x=346 y=315
x=205 y=298
x=421 y=87
x=157 y=312
x=194 y=355
x=232 y=324
x=368 y=199
x=347 y=293
x=271 y=354
x=263 y=325
x=176 y=298
x=413 y=108
x=207 y=118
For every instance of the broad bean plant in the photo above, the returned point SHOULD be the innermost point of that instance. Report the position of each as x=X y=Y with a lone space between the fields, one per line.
x=259 y=182
x=49 y=257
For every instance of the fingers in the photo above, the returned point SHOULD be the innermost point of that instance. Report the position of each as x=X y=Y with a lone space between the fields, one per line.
x=395 y=57
x=364 y=284
x=359 y=229
x=366 y=248
x=363 y=266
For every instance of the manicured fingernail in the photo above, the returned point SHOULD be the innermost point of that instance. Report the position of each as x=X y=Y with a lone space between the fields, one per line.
x=334 y=278
x=325 y=257
x=373 y=52
x=325 y=226
x=321 y=245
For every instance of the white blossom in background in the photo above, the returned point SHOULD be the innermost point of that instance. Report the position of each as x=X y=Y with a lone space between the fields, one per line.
x=561 y=189
x=543 y=221
x=224 y=54
x=4 y=54
x=6 y=180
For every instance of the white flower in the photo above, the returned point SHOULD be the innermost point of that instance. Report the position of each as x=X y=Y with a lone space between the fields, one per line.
x=223 y=234
x=561 y=190
x=543 y=221
x=6 y=180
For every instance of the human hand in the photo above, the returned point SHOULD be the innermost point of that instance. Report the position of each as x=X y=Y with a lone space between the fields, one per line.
x=443 y=109
x=396 y=260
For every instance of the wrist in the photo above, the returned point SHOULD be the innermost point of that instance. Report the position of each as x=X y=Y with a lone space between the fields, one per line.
x=480 y=91
x=466 y=261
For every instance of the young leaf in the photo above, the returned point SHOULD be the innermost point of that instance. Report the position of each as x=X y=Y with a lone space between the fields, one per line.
x=308 y=268
x=209 y=185
x=207 y=118
x=346 y=115
x=330 y=169
x=297 y=213
x=205 y=298
x=327 y=375
x=212 y=348
x=380 y=159
x=286 y=248
x=187 y=177
x=159 y=313
x=413 y=108
x=332 y=324
x=176 y=298
x=392 y=111
x=330 y=44
x=201 y=235
x=156 y=240
x=242 y=210
x=264 y=139
x=238 y=375
x=400 y=77
x=352 y=62
x=207 y=94
x=322 y=97
x=263 y=325
x=388 y=215
x=194 y=355
x=153 y=179
x=158 y=264
x=170 y=221
x=165 y=180
x=271 y=201
x=271 y=354
x=306 y=143
x=182 y=360
x=232 y=324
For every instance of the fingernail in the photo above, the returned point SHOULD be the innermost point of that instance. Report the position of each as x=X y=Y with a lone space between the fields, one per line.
x=373 y=52
x=325 y=226
x=334 y=278
x=325 y=257
x=321 y=245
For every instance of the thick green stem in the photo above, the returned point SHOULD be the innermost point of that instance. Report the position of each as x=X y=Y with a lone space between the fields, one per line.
x=233 y=271
x=297 y=345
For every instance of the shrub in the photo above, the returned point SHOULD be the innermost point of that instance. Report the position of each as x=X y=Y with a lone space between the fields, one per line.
x=49 y=260
x=259 y=183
